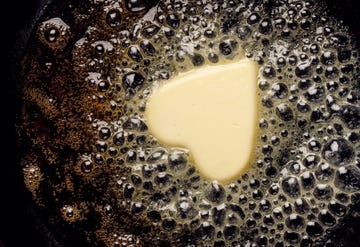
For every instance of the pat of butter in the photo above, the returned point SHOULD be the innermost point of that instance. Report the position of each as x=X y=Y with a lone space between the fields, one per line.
x=212 y=111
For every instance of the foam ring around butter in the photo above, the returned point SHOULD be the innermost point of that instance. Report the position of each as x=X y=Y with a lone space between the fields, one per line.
x=212 y=111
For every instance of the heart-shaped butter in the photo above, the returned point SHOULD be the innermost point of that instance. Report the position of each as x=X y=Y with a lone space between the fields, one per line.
x=212 y=111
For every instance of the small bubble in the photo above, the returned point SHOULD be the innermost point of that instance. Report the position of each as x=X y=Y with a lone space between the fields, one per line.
x=134 y=53
x=338 y=152
x=307 y=180
x=133 y=81
x=323 y=192
x=284 y=112
x=147 y=47
x=301 y=206
x=52 y=34
x=226 y=47
x=303 y=70
x=326 y=218
x=337 y=208
x=212 y=57
x=138 y=6
x=173 y=21
x=215 y=193
x=314 y=229
x=280 y=90
x=168 y=224
x=315 y=93
x=150 y=31
x=347 y=179
x=243 y=32
x=119 y=139
x=205 y=231
x=177 y=160
x=113 y=18
x=269 y=72
x=253 y=19
x=350 y=115
x=104 y=133
x=265 y=26
x=87 y=166
x=197 y=59
x=230 y=232
x=291 y=186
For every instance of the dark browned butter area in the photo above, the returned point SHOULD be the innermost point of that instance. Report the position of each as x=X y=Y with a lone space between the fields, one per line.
x=98 y=176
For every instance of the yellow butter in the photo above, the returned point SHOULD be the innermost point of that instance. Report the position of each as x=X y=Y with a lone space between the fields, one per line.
x=212 y=111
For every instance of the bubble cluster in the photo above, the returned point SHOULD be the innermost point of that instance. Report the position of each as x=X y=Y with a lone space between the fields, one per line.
x=94 y=168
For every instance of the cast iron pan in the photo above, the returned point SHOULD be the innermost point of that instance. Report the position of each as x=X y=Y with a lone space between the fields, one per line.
x=20 y=223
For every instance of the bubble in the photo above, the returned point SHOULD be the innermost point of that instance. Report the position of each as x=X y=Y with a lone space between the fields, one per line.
x=136 y=180
x=311 y=161
x=205 y=231
x=128 y=191
x=314 y=146
x=163 y=179
x=168 y=224
x=186 y=209
x=197 y=59
x=177 y=160
x=253 y=18
x=173 y=21
x=87 y=166
x=243 y=32
x=331 y=72
x=131 y=156
x=215 y=192
x=338 y=152
x=301 y=206
x=265 y=26
x=284 y=112
x=269 y=72
x=291 y=186
x=292 y=237
x=350 y=115
x=295 y=222
x=134 y=53
x=231 y=232
x=306 y=242
x=347 y=179
x=226 y=47
x=337 y=208
x=323 y=192
x=103 y=86
x=314 y=229
x=219 y=214
x=326 y=218
x=137 y=208
x=212 y=57
x=138 y=6
x=133 y=81
x=303 y=106
x=154 y=216
x=279 y=90
x=123 y=50
x=52 y=34
x=150 y=31
x=119 y=139
x=147 y=48
x=324 y=172
x=113 y=18
x=315 y=93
